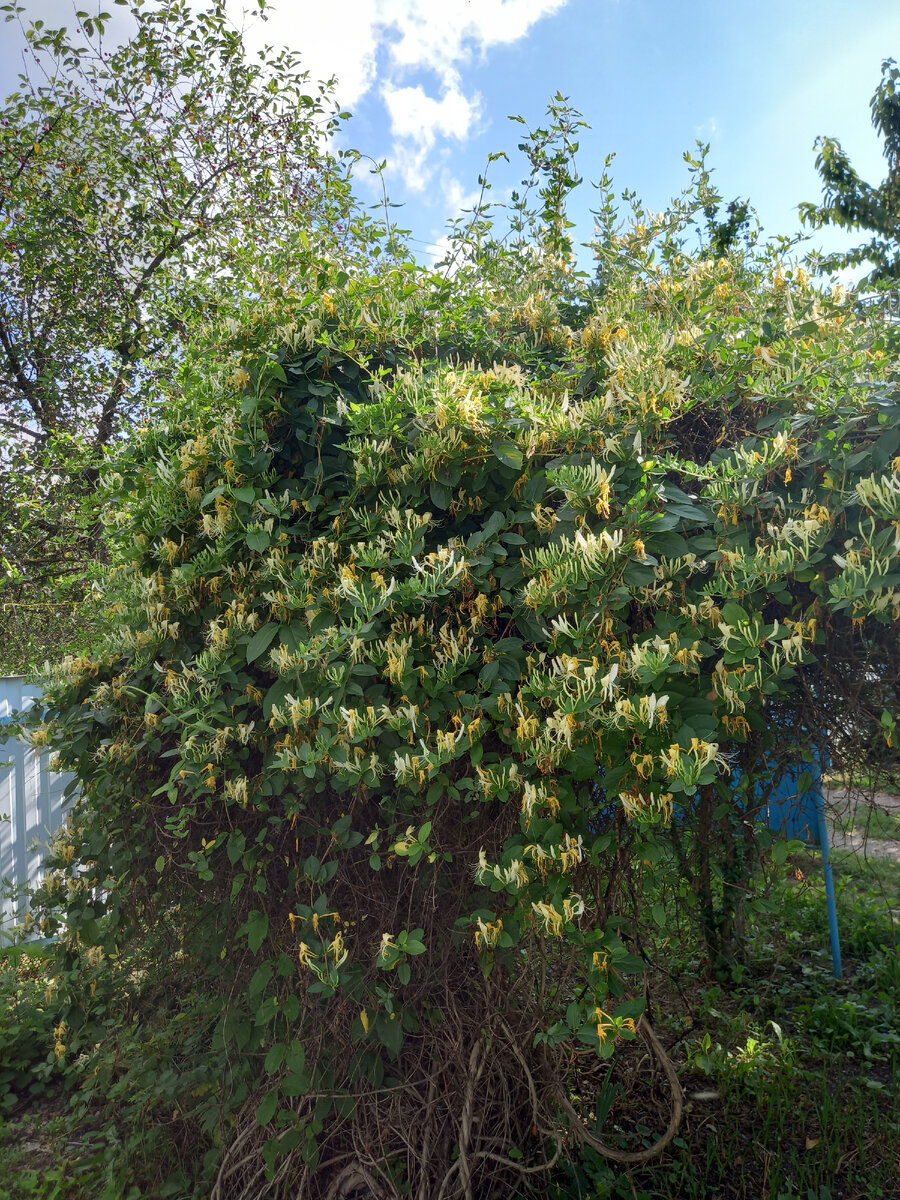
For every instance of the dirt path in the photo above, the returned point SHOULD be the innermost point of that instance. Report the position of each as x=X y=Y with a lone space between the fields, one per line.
x=847 y=814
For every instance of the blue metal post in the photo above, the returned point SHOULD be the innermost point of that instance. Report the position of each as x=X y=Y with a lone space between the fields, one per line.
x=829 y=882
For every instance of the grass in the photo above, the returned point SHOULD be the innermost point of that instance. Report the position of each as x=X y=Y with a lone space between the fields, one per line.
x=33 y=1158
x=875 y=822
x=865 y=881
x=886 y=781
x=871 y=819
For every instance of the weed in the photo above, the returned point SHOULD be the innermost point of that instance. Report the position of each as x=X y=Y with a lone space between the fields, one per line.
x=788 y=1073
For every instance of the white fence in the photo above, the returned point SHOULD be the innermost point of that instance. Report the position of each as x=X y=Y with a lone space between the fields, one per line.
x=32 y=806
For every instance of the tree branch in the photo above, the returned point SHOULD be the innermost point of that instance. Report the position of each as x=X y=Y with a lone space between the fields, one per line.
x=14 y=425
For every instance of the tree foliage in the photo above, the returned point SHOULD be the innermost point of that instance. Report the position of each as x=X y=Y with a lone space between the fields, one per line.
x=851 y=203
x=144 y=186
x=447 y=616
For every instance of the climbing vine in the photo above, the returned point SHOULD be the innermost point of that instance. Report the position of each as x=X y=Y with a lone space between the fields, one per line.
x=447 y=616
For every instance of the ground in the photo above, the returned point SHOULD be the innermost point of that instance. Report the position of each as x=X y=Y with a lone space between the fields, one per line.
x=790 y=1077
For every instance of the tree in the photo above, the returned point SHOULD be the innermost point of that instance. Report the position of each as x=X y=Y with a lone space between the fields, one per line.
x=851 y=203
x=436 y=640
x=145 y=187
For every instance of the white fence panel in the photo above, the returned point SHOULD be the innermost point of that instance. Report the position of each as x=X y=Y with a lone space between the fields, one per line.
x=32 y=806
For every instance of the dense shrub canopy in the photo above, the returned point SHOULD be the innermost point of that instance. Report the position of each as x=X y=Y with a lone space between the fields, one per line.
x=431 y=609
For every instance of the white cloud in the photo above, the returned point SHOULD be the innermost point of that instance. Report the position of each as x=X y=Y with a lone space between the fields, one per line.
x=369 y=43
x=456 y=198
x=329 y=43
x=708 y=131
x=417 y=120
x=443 y=35
x=420 y=117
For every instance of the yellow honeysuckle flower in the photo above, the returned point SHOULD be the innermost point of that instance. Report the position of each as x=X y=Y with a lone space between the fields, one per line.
x=239 y=378
x=604 y=1024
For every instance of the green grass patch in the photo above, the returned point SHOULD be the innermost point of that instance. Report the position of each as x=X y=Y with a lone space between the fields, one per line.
x=874 y=821
x=790 y=1076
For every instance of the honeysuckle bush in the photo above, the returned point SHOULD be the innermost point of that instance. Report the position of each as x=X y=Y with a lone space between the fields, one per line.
x=454 y=621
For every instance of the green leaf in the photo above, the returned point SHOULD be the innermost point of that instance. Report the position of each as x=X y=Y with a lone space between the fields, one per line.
x=262 y=977
x=297 y=1083
x=495 y=522
x=266 y=1110
x=237 y=844
x=631 y=1008
x=629 y=964
x=508 y=453
x=390 y=1034
x=295 y=1056
x=257 y=927
x=490 y=671
x=274 y=1058
x=441 y=496
x=276 y=694
x=261 y=640
x=257 y=539
x=733 y=614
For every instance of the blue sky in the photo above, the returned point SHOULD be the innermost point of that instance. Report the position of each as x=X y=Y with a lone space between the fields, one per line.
x=431 y=83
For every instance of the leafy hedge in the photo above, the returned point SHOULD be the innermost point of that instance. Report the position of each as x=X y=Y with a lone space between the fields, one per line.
x=424 y=626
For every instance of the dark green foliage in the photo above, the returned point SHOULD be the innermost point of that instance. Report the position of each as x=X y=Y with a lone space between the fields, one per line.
x=28 y=1017
x=144 y=188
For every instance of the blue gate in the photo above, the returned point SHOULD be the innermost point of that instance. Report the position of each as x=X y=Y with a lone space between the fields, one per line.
x=797 y=809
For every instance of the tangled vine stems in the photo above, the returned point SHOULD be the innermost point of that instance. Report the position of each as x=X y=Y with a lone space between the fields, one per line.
x=586 y=1138
x=475 y=1135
